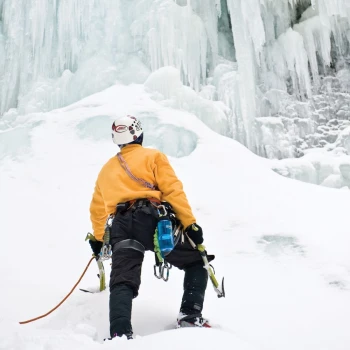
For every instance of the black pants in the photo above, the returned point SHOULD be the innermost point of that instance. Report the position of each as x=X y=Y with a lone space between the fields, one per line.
x=140 y=224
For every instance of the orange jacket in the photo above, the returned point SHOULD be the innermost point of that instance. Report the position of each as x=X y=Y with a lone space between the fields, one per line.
x=114 y=186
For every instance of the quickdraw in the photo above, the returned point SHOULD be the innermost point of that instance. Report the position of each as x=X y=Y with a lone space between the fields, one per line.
x=163 y=271
x=106 y=250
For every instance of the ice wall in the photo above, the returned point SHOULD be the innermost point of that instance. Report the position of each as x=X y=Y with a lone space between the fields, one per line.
x=285 y=46
x=258 y=66
x=174 y=35
x=54 y=52
x=42 y=40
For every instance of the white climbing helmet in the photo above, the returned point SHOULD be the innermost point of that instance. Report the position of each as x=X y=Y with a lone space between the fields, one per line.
x=125 y=130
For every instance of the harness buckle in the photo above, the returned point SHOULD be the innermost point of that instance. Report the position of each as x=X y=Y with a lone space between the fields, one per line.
x=162 y=207
x=122 y=207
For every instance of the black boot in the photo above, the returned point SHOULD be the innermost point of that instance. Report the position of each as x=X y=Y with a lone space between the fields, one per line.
x=195 y=284
x=120 y=305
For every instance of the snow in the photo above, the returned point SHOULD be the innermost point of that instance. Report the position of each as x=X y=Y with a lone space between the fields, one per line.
x=282 y=245
x=166 y=81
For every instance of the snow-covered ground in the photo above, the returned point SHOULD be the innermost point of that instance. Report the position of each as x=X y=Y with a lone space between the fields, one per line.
x=283 y=246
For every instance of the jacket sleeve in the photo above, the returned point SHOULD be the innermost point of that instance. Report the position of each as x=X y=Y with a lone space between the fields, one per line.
x=98 y=213
x=172 y=190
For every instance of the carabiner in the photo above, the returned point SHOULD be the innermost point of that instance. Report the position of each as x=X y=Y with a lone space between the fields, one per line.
x=165 y=271
x=165 y=212
x=159 y=276
x=106 y=252
x=109 y=220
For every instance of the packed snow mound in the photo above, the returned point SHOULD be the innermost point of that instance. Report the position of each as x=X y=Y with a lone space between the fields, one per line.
x=80 y=339
x=329 y=169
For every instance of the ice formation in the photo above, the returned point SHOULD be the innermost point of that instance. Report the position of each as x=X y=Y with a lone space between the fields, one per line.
x=166 y=86
x=274 y=75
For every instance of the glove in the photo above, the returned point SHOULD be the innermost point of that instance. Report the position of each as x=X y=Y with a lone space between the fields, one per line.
x=195 y=232
x=96 y=246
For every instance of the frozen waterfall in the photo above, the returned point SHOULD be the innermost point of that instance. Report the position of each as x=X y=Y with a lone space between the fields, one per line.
x=272 y=74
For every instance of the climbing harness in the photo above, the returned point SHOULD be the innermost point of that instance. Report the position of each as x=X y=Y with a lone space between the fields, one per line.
x=161 y=267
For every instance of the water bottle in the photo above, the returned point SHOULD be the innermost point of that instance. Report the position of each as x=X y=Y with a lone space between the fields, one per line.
x=165 y=236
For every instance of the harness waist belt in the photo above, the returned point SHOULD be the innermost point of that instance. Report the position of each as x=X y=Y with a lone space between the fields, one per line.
x=137 y=203
x=144 y=202
x=130 y=244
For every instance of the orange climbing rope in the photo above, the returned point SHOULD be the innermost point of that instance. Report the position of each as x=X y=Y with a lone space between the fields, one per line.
x=65 y=298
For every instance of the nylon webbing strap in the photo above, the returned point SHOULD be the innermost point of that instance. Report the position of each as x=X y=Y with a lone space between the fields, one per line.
x=130 y=244
x=158 y=262
x=125 y=166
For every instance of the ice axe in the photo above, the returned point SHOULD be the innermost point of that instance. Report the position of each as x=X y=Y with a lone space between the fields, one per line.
x=101 y=269
x=220 y=290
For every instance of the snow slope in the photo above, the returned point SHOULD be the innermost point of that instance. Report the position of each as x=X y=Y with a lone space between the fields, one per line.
x=282 y=245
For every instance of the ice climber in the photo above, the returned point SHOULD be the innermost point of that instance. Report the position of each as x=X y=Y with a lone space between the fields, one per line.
x=132 y=185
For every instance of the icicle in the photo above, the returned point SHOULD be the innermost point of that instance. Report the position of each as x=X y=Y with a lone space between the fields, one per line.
x=335 y=14
x=218 y=7
x=207 y=10
x=226 y=80
x=297 y=61
x=317 y=39
x=249 y=37
x=176 y=36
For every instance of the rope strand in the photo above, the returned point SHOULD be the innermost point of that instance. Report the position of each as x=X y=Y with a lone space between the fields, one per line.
x=65 y=298
x=125 y=166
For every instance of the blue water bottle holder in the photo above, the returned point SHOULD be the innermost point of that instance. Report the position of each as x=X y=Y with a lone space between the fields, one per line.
x=165 y=232
x=167 y=236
